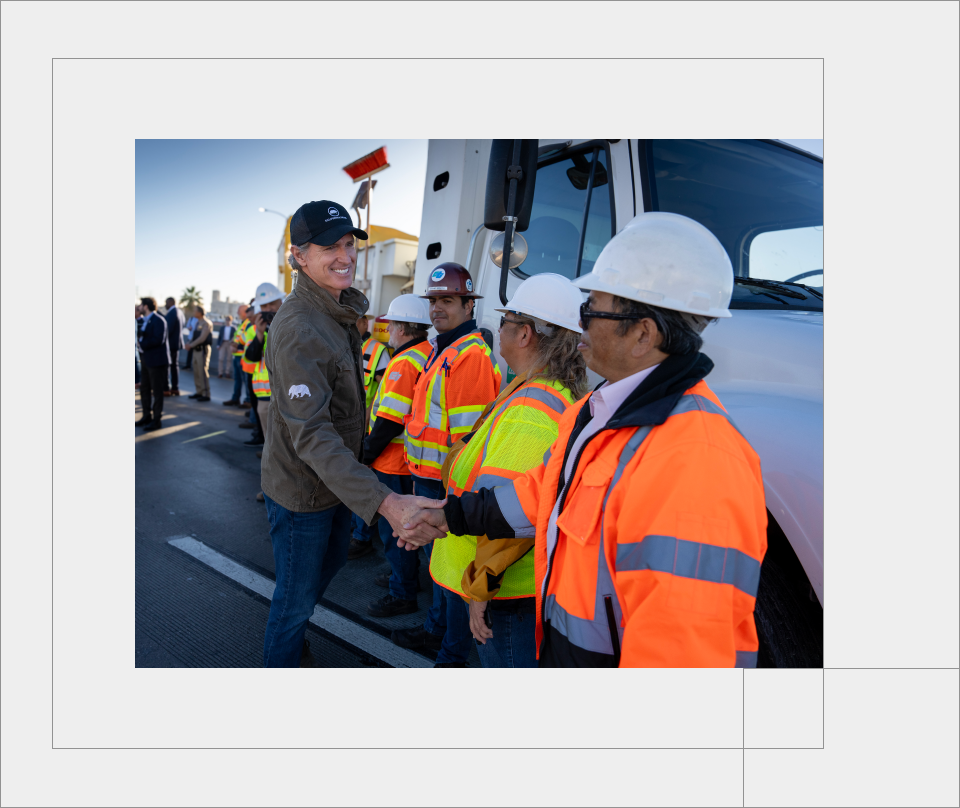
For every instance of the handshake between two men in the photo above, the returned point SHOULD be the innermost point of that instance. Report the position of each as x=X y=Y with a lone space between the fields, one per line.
x=416 y=521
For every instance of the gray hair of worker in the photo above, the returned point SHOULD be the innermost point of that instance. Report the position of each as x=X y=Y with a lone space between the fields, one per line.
x=680 y=331
x=557 y=354
x=412 y=329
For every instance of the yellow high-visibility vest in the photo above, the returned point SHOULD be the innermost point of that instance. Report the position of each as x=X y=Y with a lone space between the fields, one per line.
x=518 y=430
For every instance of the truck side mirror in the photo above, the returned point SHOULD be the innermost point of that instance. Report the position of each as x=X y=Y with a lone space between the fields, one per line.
x=498 y=184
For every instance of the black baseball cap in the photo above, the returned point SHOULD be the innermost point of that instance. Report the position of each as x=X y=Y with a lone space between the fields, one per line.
x=322 y=223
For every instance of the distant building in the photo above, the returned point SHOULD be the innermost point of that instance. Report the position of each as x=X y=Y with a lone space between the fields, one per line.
x=393 y=255
x=220 y=308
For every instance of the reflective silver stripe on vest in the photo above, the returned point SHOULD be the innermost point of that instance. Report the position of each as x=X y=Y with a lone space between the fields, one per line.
x=746 y=659
x=605 y=587
x=552 y=400
x=690 y=559
x=546 y=456
x=435 y=419
x=692 y=402
x=509 y=504
x=462 y=419
x=490 y=481
x=591 y=635
x=421 y=453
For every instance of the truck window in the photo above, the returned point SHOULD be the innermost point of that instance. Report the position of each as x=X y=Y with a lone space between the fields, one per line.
x=556 y=218
x=765 y=204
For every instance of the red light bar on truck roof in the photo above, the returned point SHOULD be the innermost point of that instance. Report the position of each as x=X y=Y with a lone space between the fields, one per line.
x=368 y=164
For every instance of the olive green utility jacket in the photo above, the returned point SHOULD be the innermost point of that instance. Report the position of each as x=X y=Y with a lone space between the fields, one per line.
x=310 y=458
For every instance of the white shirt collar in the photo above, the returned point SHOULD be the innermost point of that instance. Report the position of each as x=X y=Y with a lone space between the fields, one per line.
x=610 y=396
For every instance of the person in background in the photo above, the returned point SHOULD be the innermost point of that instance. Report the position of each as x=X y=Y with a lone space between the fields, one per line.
x=224 y=342
x=237 y=347
x=175 y=324
x=408 y=320
x=538 y=340
x=376 y=357
x=136 y=341
x=269 y=298
x=460 y=378
x=191 y=327
x=200 y=345
x=155 y=356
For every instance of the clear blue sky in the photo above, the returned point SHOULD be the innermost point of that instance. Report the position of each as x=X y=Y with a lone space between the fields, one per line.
x=197 y=202
x=197 y=205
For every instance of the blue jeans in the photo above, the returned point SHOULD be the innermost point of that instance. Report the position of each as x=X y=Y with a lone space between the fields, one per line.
x=514 y=643
x=237 y=379
x=404 y=564
x=361 y=530
x=308 y=550
x=447 y=616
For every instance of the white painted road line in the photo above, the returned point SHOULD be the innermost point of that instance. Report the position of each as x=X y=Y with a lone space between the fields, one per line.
x=221 y=432
x=359 y=637
x=169 y=430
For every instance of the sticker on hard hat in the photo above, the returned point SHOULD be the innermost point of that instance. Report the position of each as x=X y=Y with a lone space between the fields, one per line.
x=436 y=288
x=438 y=274
x=469 y=285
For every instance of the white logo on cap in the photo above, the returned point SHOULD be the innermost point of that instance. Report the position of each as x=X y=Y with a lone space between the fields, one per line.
x=333 y=211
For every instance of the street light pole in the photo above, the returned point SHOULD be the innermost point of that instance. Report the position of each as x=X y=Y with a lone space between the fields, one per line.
x=281 y=215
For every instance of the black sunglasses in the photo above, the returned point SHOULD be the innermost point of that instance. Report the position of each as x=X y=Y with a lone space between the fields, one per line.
x=587 y=314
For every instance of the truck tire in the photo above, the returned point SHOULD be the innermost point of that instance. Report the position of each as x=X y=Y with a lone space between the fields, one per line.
x=788 y=616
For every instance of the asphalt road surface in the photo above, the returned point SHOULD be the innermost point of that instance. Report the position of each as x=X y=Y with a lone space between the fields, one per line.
x=204 y=563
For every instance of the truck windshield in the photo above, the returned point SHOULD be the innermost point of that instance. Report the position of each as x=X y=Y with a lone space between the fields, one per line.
x=557 y=215
x=764 y=202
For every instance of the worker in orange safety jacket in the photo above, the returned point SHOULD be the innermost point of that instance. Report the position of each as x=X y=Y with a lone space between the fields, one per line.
x=648 y=511
x=458 y=381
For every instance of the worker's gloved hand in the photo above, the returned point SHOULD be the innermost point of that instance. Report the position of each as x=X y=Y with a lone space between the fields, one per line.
x=406 y=517
x=478 y=627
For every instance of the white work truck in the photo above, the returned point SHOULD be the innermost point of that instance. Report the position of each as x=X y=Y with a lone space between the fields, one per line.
x=764 y=201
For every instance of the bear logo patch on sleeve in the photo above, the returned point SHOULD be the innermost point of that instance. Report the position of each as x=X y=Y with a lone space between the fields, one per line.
x=299 y=391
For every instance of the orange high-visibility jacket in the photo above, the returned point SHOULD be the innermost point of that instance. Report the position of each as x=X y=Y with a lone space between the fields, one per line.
x=452 y=391
x=393 y=401
x=244 y=336
x=659 y=540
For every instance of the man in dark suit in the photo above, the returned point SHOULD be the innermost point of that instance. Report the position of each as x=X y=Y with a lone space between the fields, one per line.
x=175 y=321
x=155 y=357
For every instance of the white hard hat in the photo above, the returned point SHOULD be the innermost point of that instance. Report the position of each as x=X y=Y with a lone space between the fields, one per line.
x=409 y=309
x=266 y=293
x=550 y=298
x=665 y=260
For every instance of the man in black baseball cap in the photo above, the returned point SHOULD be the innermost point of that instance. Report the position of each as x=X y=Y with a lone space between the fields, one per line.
x=322 y=223
x=311 y=474
x=322 y=244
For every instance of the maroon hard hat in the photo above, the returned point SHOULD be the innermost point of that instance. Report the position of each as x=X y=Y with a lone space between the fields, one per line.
x=450 y=280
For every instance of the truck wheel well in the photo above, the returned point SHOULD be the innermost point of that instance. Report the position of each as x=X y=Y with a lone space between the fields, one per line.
x=788 y=616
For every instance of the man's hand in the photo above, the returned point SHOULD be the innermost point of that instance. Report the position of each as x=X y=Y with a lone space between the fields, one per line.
x=423 y=528
x=261 y=326
x=405 y=515
x=478 y=627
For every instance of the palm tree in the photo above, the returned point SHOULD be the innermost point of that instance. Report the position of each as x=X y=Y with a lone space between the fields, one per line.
x=190 y=298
